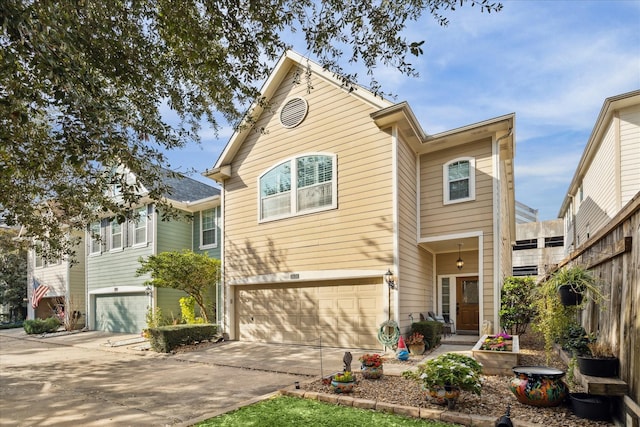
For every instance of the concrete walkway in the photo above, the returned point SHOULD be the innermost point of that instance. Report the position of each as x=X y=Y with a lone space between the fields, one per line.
x=97 y=378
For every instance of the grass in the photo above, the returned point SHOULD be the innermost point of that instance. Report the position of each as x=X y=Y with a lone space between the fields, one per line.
x=285 y=411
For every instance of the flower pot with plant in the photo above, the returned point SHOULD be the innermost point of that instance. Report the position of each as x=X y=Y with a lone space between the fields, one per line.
x=573 y=282
x=601 y=361
x=445 y=376
x=371 y=367
x=343 y=382
x=416 y=343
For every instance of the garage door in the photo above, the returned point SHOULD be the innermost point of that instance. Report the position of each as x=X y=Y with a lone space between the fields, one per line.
x=345 y=315
x=121 y=312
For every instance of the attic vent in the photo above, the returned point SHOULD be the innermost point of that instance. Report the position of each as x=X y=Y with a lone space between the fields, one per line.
x=293 y=112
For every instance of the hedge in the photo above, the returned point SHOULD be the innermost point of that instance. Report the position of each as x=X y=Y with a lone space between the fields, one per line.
x=40 y=326
x=164 y=339
x=431 y=330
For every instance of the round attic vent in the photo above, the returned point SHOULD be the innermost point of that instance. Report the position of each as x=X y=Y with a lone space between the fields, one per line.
x=293 y=112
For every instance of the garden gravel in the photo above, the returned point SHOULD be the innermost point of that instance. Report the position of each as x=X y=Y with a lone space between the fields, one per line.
x=493 y=401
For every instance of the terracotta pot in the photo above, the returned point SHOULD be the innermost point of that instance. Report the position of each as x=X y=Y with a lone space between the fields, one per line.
x=538 y=385
x=371 y=372
x=416 y=349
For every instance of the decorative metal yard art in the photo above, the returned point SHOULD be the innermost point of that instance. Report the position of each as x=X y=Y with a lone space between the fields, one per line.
x=346 y=360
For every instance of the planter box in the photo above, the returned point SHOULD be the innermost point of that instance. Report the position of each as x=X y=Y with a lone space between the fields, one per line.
x=497 y=362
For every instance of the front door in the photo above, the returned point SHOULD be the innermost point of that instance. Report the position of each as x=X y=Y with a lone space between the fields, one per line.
x=467 y=307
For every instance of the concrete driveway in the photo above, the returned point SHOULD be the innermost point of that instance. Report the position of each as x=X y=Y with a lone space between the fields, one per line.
x=99 y=379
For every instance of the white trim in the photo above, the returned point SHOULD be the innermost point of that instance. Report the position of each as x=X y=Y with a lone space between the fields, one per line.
x=418 y=199
x=305 y=276
x=138 y=210
x=293 y=212
x=118 y=290
x=92 y=240
x=450 y=236
x=223 y=312
x=394 y=221
x=497 y=241
x=452 y=295
x=201 y=246
x=110 y=228
x=480 y=282
x=472 y=180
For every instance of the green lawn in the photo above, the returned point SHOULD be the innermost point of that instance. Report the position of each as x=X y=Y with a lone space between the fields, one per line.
x=284 y=411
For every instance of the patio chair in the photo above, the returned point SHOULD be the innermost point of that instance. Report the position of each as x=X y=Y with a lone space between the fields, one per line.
x=448 y=326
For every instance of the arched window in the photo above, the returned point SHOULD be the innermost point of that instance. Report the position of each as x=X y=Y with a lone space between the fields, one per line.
x=459 y=179
x=299 y=185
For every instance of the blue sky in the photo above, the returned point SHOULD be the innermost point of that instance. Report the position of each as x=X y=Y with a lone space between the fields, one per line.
x=553 y=63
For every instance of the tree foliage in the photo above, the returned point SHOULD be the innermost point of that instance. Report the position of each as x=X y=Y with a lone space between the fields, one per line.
x=195 y=274
x=89 y=84
x=517 y=304
x=13 y=274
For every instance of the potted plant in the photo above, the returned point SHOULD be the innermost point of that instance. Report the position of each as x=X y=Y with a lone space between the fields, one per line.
x=371 y=366
x=573 y=282
x=601 y=361
x=446 y=375
x=343 y=382
x=416 y=344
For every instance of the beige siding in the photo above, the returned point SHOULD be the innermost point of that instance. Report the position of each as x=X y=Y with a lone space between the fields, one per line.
x=629 y=153
x=356 y=235
x=599 y=195
x=416 y=264
x=77 y=287
x=55 y=277
x=437 y=218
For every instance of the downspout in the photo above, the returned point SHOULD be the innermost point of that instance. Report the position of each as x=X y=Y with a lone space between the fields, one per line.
x=395 y=213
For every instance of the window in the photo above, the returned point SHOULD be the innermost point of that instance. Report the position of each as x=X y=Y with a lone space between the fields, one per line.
x=95 y=245
x=459 y=180
x=313 y=188
x=116 y=235
x=39 y=259
x=526 y=270
x=525 y=244
x=553 y=242
x=208 y=228
x=140 y=227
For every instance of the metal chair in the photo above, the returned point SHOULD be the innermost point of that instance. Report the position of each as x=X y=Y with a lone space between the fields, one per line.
x=448 y=327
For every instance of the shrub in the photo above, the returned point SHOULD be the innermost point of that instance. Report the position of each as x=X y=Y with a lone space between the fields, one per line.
x=430 y=330
x=517 y=304
x=450 y=369
x=40 y=326
x=166 y=338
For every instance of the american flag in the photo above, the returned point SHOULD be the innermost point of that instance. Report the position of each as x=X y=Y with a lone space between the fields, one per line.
x=39 y=291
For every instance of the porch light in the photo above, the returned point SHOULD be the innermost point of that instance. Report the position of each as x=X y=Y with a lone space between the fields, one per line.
x=391 y=281
x=459 y=262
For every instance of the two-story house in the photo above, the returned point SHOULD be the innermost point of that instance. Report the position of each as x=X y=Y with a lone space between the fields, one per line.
x=102 y=284
x=608 y=174
x=117 y=299
x=339 y=187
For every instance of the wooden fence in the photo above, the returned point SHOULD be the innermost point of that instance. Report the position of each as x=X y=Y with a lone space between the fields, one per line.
x=613 y=255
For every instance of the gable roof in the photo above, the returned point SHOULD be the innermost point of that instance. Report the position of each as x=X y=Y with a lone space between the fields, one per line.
x=289 y=59
x=609 y=106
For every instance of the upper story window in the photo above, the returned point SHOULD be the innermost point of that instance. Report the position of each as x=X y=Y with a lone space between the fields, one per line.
x=37 y=253
x=553 y=242
x=116 y=235
x=140 y=226
x=459 y=180
x=95 y=245
x=208 y=228
x=300 y=185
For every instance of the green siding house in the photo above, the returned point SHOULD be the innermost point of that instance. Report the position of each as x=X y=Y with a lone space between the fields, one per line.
x=117 y=300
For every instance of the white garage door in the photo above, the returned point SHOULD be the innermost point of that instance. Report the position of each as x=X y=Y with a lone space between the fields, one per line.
x=345 y=315
x=121 y=312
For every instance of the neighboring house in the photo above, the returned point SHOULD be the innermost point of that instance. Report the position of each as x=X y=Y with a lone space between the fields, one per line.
x=608 y=174
x=538 y=248
x=339 y=187
x=601 y=215
x=118 y=301
x=59 y=285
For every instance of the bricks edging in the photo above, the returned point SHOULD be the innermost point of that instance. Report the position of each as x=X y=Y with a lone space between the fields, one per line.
x=409 y=411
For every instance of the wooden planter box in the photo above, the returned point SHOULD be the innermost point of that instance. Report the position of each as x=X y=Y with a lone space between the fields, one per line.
x=497 y=362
